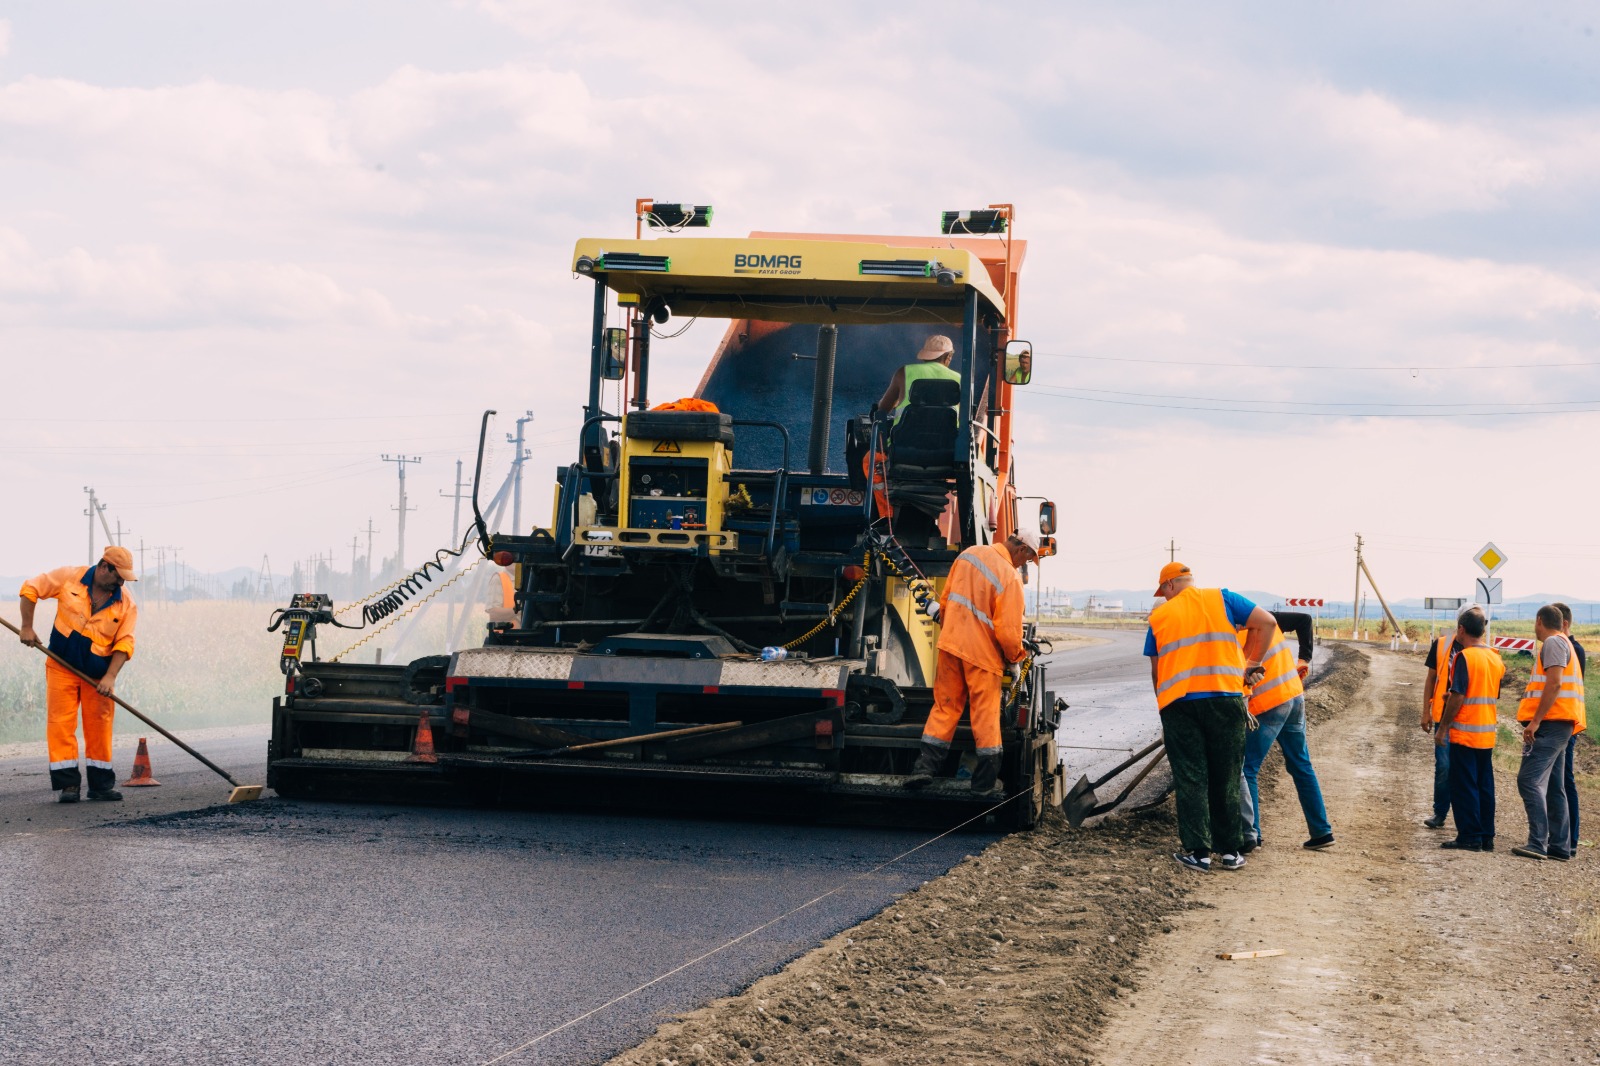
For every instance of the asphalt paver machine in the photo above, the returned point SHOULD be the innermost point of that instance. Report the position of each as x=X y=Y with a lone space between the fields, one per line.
x=724 y=610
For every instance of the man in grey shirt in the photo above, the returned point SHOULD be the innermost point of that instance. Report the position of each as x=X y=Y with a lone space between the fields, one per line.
x=1548 y=715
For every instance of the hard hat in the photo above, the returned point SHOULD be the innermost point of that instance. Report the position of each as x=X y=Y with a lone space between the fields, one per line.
x=122 y=559
x=1168 y=572
x=935 y=347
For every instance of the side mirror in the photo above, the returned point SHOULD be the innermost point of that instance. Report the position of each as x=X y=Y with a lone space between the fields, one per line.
x=1047 y=547
x=613 y=352
x=1019 y=362
x=1047 y=518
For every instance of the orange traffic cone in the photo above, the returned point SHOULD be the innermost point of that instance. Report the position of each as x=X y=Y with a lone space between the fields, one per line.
x=422 y=747
x=141 y=769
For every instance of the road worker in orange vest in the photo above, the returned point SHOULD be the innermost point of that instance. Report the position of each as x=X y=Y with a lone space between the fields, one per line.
x=93 y=631
x=1199 y=672
x=980 y=643
x=1277 y=703
x=1468 y=724
x=1441 y=653
x=1550 y=712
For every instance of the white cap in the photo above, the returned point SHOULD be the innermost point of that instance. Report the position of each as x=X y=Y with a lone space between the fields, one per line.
x=1029 y=536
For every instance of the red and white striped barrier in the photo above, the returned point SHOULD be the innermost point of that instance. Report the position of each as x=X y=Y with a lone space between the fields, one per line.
x=1303 y=603
x=1513 y=643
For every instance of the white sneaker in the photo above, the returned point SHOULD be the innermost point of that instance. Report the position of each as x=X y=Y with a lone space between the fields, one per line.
x=1231 y=861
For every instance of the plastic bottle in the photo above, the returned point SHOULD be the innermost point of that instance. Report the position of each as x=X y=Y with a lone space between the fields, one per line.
x=773 y=655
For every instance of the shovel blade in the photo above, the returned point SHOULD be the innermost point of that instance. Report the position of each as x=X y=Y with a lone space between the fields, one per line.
x=1079 y=802
x=245 y=793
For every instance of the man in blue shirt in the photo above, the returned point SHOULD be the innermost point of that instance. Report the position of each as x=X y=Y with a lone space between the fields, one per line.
x=1199 y=674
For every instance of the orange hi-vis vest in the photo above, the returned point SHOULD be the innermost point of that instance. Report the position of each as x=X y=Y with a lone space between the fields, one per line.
x=980 y=609
x=1281 y=682
x=1443 y=661
x=1196 y=647
x=1568 y=706
x=84 y=637
x=1475 y=724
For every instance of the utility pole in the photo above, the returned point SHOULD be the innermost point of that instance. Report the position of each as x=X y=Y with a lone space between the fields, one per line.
x=516 y=467
x=141 y=558
x=96 y=509
x=1355 y=602
x=458 y=496
x=1172 y=551
x=120 y=531
x=400 y=462
x=370 y=532
x=264 y=579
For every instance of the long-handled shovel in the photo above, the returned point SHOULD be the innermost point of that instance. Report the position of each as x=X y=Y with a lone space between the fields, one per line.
x=240 y=794
x=1081 y=800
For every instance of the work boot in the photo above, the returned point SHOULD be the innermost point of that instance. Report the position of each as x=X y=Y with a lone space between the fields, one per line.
x=930 y=760
x=986 y=777
x=109 y=795
x=68 y=795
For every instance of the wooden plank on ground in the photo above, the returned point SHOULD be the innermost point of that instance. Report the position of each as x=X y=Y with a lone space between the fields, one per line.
x=1267 y=954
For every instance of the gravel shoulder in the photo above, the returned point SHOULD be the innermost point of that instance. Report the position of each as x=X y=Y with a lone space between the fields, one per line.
x=1065 y=946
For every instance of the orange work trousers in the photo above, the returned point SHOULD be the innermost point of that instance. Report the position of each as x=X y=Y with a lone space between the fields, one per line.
x=65 y=693
x=872 y=466
x=956 y=685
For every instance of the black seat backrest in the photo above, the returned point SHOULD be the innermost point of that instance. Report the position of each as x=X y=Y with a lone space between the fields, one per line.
x=925 y=437
x=681 y=425
x=934 y=392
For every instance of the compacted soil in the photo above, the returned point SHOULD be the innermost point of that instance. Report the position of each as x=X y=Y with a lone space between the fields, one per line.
x=1065 y=946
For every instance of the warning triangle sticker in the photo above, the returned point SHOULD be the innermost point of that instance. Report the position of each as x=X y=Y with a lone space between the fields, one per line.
x=668 y=447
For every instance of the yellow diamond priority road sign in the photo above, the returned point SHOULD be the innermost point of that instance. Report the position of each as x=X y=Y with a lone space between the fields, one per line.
x=1490 y=558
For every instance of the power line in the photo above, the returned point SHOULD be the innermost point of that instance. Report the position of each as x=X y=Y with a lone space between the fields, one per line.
x=1315 y=414
x=1318 y=403
x=1397 y=367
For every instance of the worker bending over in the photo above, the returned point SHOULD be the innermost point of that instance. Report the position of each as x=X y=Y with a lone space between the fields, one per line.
x=1199 y=672
x=93 y=632
x=1441 y=653
x=1551 y=713
x=1468 y=724
x=1278 y=704
x=980 y=641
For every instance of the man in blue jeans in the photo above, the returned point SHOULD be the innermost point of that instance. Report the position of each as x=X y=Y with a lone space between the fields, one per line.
x=1572 y=741
x=1279 y=710
x=1441 y=654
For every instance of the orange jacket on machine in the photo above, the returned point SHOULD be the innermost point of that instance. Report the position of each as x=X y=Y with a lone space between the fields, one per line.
x=1195 y=640
x=1475 y=725
x=980 y=610
x=84 y=637
x=1568 y=706
x=1281 y=682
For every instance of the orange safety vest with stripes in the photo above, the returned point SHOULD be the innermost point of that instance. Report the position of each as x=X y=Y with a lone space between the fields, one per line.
x=980 y=609
x=1475 y=725
x=84 y=637
x=1568 y=706
x=1281 y=682
x=1197 y=649
x=1443 y=660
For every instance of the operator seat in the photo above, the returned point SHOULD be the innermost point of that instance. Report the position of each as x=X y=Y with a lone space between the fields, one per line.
x=922 y=453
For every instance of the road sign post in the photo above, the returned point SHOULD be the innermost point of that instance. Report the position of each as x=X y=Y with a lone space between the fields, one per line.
x=1489 y=559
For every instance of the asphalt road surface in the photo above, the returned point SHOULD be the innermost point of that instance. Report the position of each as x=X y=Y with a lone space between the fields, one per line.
x=171 y=928
x=167 y=929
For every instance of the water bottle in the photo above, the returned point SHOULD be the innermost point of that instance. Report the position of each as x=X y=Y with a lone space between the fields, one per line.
x=774 y=655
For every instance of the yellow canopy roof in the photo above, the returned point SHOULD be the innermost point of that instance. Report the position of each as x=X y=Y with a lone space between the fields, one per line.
x=783 y=278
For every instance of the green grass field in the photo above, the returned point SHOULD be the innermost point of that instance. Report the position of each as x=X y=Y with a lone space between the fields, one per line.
x=197 y=664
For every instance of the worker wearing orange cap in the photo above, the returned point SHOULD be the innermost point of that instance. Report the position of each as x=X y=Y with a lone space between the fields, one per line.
x=980 y=642
x=1200 y=673
x=95 y=620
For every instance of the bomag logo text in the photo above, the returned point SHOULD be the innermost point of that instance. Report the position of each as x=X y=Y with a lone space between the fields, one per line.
x=766 y=264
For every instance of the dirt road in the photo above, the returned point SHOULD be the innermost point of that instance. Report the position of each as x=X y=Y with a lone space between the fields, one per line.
x=1397 y=952
x=1064 y=946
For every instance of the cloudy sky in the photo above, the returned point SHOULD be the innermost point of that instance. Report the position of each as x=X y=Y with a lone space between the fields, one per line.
x=1296 y=271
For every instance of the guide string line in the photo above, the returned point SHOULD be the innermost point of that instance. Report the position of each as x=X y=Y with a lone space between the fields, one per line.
x=744 y=936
